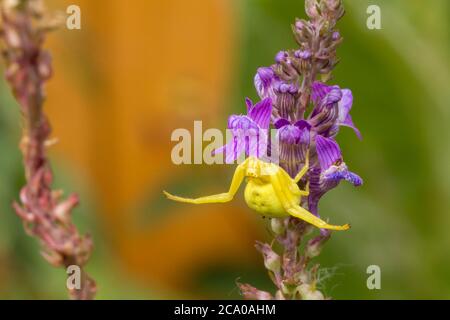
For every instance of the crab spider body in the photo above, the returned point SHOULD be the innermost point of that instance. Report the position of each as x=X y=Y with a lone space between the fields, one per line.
x=270 y=191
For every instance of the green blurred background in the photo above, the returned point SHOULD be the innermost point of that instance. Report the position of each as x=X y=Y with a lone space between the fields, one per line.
x=136 y=72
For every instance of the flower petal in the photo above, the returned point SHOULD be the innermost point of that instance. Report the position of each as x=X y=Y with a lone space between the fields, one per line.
x=263 y=81
x=232 y=150
x=249 y=104
x=256 y=145
x=328 y=152
x=305 y=129
x=281 y=122
x=319 y=91
x=290 y=134
x=345 y=105
x=342 y=173
x=261 y=113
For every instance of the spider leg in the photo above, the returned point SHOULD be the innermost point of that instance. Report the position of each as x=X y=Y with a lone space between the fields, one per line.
x=304 y=170
x=290 y=204
x=302 y=213
x=238 y=178
x=305 y=193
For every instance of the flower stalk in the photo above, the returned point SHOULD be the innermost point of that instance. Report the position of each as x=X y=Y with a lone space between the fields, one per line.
x=46 y=215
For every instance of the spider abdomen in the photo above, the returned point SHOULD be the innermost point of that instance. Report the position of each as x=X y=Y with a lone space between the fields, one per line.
x=261 y=197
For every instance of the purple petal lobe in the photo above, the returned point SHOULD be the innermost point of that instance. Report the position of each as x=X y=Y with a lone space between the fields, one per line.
x=333 y=96
x=280 y=56
x=264 y=79
x=232 y=150
x=303 y=54
x=345 y=105
x=303 y=124
x=342 y=173
x=281 y=123
x=261 y=112
x=249 y=104
x=290 y=134
x=319 y=91
x=282 y=87
x=328 y=152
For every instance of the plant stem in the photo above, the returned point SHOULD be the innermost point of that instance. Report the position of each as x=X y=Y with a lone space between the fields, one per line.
x=45 y=214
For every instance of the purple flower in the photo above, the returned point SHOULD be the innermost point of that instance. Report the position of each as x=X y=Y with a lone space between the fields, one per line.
x=332 y=108
x=294 y=141
x=331 y=163
x=297 y=133
x=330 y=171
x=265 y=83
x=250 y=132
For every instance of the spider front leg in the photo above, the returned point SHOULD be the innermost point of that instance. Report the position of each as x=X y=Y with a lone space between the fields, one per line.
x=238 y=178
x=303 y=214
x=305 y=193
x=304 y=170
x=292 y=207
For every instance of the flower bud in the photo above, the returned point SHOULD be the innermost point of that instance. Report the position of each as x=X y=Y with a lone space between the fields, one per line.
x=45 y=65
x=303 y=54
x=333 y=5
x=251 y=293
x=63 y=210
x=10 y=4
x=277 y=226
x=279 y=295
x=311 y=7
x=272 y=261
x=308 y=292
x=281 y=56
x=336 y=36
x=299 y=25
x=288 y=288
x=286 y=98
x=314 y=246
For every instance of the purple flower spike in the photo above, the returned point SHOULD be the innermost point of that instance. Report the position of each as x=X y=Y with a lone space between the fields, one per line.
x=328 y=152
x=249 y=132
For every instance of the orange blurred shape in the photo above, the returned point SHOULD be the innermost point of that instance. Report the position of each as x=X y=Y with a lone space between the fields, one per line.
x=136 y=71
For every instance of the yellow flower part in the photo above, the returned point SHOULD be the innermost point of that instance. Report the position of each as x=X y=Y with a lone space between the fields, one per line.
x=270 y=191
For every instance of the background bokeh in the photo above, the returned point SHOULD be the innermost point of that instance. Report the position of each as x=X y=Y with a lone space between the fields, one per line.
x=138 y=70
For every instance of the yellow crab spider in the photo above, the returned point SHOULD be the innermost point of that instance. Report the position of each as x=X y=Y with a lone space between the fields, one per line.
x=270 y=191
